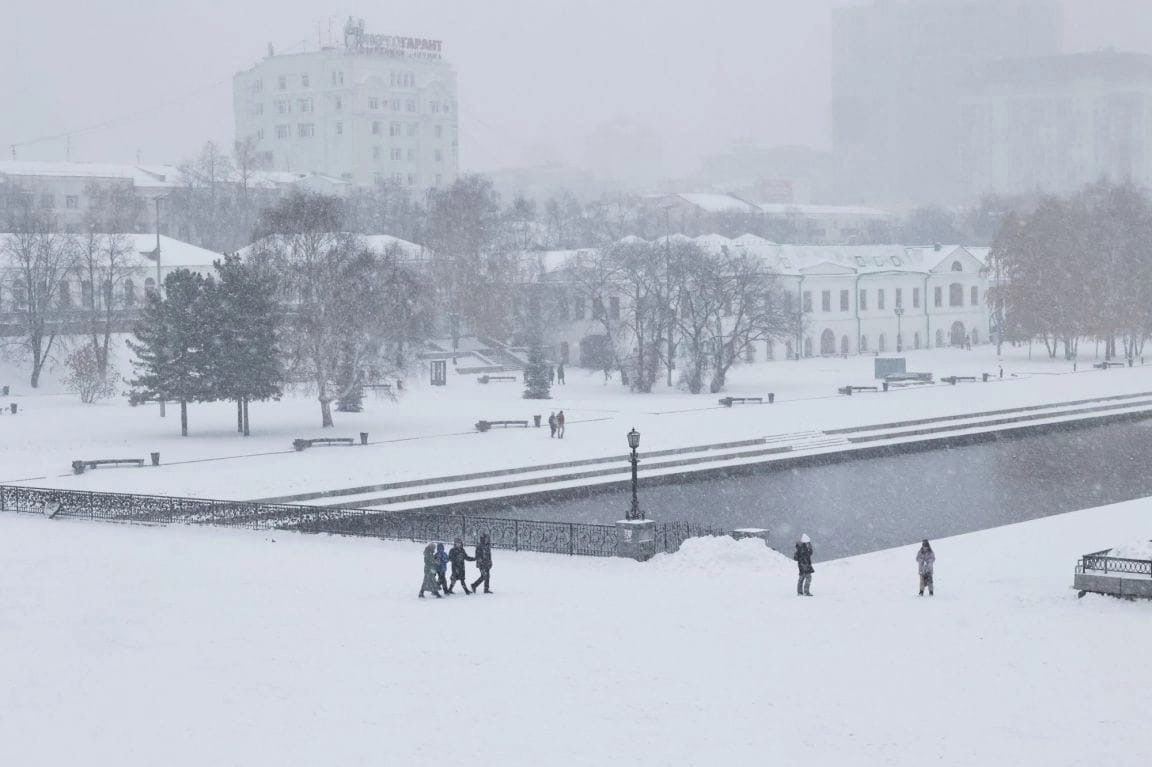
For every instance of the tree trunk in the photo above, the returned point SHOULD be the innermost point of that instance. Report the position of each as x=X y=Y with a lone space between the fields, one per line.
x=240 y=415
x=246 y=431
x=325 y=413
x=183 y=418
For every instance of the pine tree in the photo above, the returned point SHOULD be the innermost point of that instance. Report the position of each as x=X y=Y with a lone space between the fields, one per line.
x=173 y=344
x=244 y=325
x=537 y=378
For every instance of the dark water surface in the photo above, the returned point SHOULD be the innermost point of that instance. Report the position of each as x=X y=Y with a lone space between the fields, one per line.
x=864 y=505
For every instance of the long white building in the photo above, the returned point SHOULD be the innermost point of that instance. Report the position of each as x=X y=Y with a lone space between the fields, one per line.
x=851 y=299
x=377 y=108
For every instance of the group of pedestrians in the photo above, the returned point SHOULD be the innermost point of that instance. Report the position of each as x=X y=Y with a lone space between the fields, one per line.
x=925 y=564
x=556 y=374
x=436 y=562
x=556 y=424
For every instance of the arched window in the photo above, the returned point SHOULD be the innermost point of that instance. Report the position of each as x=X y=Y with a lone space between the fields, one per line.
x=939 y=337
x=844 y=345
x=86 y=296
x=955 y=294
x=129 y=293
x=863 y=343
x=975 y=337
x=64 y=294
x=19 y=295
x=975 y=296
x=880 y=345
x=827 y=342
x=916 y=340
x=808 y=346
x=957 y=266
x=107 y=296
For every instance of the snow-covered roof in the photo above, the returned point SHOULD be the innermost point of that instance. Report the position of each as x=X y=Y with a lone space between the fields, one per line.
x=714 y=202
x=174 y=253
x=818 y=211
x=140 y=175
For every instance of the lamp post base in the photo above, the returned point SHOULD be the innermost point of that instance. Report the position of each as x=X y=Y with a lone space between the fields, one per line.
x=636 y=539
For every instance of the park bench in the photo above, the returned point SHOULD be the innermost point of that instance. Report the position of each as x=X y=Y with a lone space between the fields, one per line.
x=385 y=387
x=78 y=467
x=486 y=425
x=486 y=379
x=300 y=444
x=850 y=390
x=1108 y=364
x=730 y=401
x=914 y=378
x=953 y=380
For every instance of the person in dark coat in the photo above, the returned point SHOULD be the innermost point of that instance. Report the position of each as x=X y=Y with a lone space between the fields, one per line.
x=925 y=563
x=552 y=424
x=803 y=557
x=551 y=374
x=560 y=424
x=442 y=567
x=458 y=556
x=484 y=563
x=560 y=373
x=430 y=583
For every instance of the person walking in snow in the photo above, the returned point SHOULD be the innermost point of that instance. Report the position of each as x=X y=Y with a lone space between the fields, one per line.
x=458 y=556
x=560 y=373
x=441 y=567
x=552 y=374
x=552 y=424
x=484 y=563
x=430 y=572
x=803 y=557
x=560 y=424
x=925 y=561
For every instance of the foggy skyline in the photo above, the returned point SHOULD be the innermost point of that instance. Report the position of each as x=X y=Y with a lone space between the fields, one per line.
x=536 y=80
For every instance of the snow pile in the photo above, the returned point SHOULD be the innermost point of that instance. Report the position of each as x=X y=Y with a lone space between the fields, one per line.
x=722 y=555
x=1137 y=550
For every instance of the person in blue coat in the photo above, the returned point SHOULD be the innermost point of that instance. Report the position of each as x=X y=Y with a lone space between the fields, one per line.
x=442 y=567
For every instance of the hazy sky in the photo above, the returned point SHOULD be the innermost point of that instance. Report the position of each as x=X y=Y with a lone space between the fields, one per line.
x=536 y=76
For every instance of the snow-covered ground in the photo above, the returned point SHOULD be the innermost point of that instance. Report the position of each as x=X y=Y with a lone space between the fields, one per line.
x=429 y=432
x=124 y=645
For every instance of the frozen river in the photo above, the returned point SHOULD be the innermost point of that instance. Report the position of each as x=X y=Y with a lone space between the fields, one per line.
x=876 y=503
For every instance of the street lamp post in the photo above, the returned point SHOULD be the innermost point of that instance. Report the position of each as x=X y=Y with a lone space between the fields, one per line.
x=634 y=442
x=158 y=281
x=899 y=333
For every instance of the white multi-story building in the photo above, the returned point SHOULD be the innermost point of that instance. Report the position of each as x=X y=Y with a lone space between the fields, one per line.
x=377 y=108
x=850 y=299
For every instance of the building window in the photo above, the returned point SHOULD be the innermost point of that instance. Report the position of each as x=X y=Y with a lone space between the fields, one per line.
x=881 y=344
x=394 y=129
x=259 y=135
x=47 y=201
x=880 y=299
x=398 y=178
x=411 y=105
x=129 y=293
x=438 y=155
x=339 y=126
x=375 y=153
x=373 y=104
x=258 y=108
x=413 y=129
x=338 y=105
x=826 y=300
x=411 y=179
x=955 y=294
x=597 y=308
x=258 y=86
x=915 y=298
x=87 y=300
x=305 y=105
x=305 y=130
x=916 y=340
x=957 y=266
x=282 y=82
x=975 y=296
x=304 y=81
x=578 y=307
x=376 y=127
x=843 y=300
x=397 y=154
x=938 y=297
x=282 y=131
x=863 y=300
x=283 y=106
x=64 y=294
x=411 y=155
x=899 y=297
x=439 y=131
x=613 y=308
x=434 y=107
x=72 y=202
x=863 y=343
x=337 y=78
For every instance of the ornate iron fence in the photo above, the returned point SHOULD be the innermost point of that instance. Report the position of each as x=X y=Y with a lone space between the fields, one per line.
x=571 y=538
x=1101 y=563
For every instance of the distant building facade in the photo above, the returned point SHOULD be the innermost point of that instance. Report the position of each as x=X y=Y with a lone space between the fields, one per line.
x=377 y=108
x=1057 y=123
x=897 y=75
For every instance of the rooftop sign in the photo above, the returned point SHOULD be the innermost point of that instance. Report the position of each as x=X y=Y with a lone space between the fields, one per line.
x=356 y=39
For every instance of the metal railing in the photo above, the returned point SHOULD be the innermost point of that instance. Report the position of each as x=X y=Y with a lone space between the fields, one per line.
x=1101 y=563
x=573 y=538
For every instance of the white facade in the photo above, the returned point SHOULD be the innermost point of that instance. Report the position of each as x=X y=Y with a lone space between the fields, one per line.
x=854 y=299
x=378 y=108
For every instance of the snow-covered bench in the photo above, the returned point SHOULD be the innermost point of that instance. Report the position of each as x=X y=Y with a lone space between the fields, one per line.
x=78 y=467
x=300 y=444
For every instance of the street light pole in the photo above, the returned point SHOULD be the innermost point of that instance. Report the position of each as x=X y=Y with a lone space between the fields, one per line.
x=899 y=333
x=634 y=442
x=158 y=293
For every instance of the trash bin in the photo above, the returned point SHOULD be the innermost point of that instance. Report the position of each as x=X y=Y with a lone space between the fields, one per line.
x=13 y=407
x=155 y=459
x=4 y=390
x=363 y=438
x=536 y=419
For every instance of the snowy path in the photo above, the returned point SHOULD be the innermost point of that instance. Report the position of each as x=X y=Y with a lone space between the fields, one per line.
x=180 y=646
